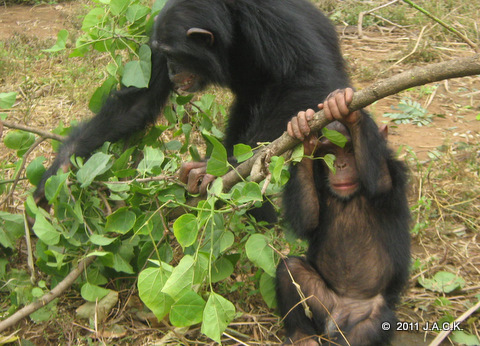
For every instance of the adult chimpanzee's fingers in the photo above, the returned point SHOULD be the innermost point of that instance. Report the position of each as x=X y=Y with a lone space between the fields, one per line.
x=207 y=180
x=195 y=178
x=187 y=167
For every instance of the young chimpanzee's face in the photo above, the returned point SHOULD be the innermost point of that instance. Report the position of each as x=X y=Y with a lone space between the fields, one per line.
x=343 y=182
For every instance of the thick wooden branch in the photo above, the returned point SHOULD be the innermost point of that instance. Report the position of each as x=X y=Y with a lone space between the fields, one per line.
x=415 y=77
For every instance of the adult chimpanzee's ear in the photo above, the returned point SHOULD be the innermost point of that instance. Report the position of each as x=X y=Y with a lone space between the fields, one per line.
x=383 y=131
x=201 y=34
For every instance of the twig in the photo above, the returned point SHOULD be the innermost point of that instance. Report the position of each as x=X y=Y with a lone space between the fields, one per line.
x=445 y=25
x=41 y=133
x=443 y=334
x=47 y=298
x=413 y=50
x=362 y=14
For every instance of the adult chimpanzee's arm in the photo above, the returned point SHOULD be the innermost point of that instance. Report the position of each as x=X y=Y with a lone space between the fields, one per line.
x=125 y=111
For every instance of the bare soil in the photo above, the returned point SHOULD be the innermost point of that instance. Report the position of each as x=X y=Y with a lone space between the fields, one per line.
x=42 y=21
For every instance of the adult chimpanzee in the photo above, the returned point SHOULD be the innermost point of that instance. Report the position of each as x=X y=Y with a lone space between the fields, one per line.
x=277 y=56
x=356 y=221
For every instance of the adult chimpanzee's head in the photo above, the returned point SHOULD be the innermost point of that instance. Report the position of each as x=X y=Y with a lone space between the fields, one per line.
x=194 y=36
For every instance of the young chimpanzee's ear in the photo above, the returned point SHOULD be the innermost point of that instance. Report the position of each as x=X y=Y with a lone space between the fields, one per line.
x=202 y=35
x=384 y=131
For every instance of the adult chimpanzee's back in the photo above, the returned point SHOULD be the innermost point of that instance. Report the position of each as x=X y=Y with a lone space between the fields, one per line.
x=277 y=57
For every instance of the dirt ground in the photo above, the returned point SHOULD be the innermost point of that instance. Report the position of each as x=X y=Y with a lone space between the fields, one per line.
x=457 y=101
x=42 y=21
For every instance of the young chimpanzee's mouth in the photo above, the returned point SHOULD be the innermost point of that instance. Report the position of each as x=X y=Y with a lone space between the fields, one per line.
x=345 y=186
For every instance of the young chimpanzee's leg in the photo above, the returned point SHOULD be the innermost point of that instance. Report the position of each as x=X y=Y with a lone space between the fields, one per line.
x=300 y=328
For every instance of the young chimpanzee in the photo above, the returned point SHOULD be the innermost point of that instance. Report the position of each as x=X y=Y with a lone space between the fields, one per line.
x=356 y=221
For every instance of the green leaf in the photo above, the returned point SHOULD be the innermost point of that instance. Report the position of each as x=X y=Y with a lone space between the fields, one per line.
x=217 y=164
x=221 y=269
x=119 y=6
x=251 y=192
x=121 y=221
x=335 y=137
x=101 y=240
x=218 y=313
x=35 y=170
x=183 y=99
x=181 y=279
x=120 y=264
x=150 y=284
x=45 y=230
x=200 y=268
x=276 y=167
x=170 y=115
x=91 y=292
x=11 y=229
x=463 y=338
x=93 y=18
x=45 y=313
x=61 y=42
x=137 y=73
x=97 y=164
x=153 y=158
x=100 y=95
x=442 y=281
x=186 y=230
x=7 y=100
x=158 y=5
x=54 y=185
x=19 y=140
x=136 y=12
x=242 y=152
x=329 y=160
x=267 y=289
x=260 y=253
x=297 y=153
x=187 y=310
x=216 y=188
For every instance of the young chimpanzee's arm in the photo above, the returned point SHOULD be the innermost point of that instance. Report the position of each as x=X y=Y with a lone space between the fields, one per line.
x=302 y=206
x=370 y=147
x=124 y=112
